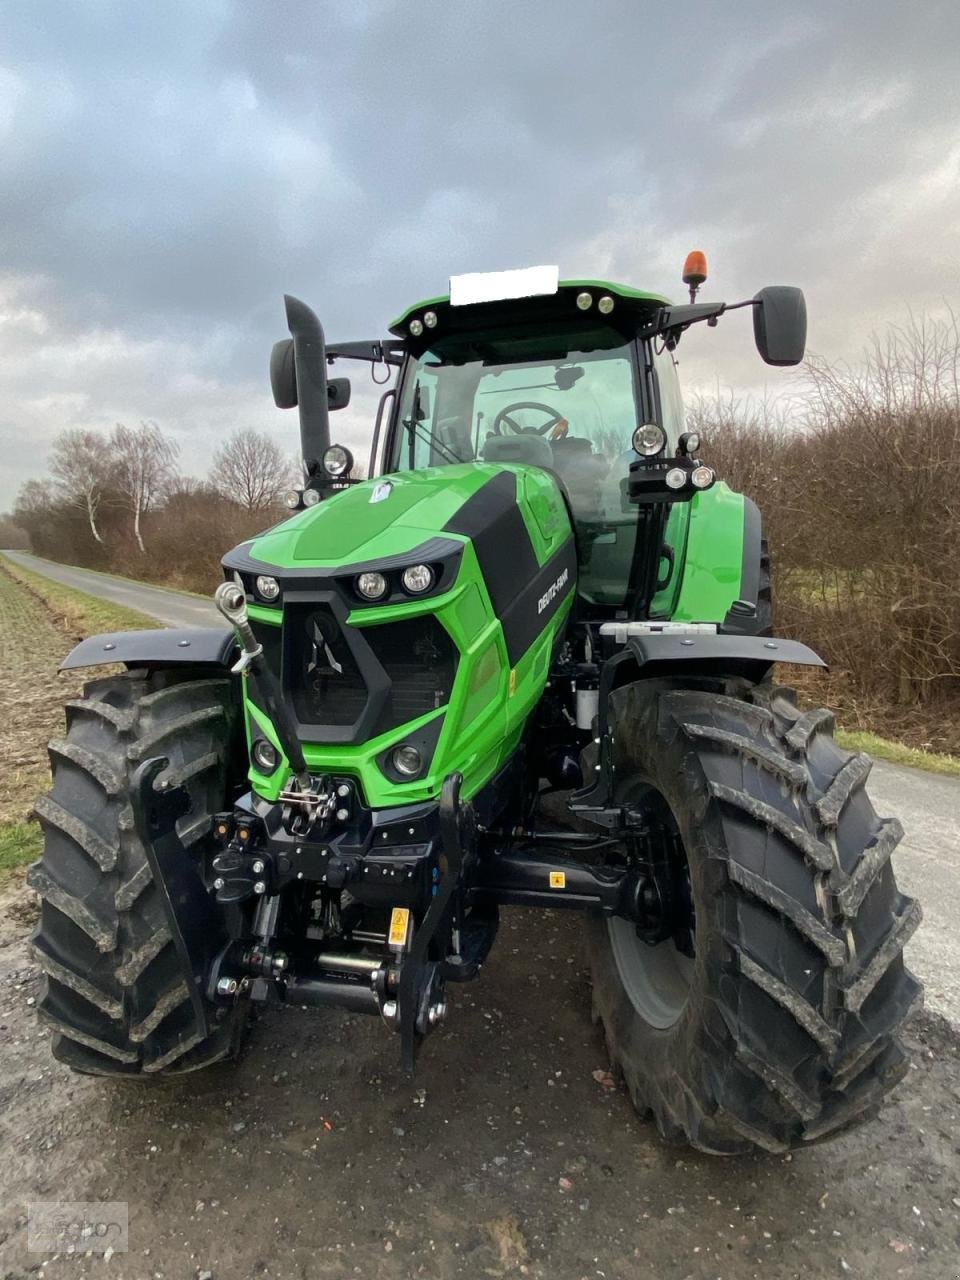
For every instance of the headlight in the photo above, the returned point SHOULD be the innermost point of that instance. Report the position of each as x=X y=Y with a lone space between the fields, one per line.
x=649 y=439
x=702 y=477
x=605 y=305
x=372 y=585
x=337 y=461
x=416 y=328
x=689 y=442
x=584 y=301
x=417 y=579
x=406 y=760
x=267 y=587
x=430 y=319
x=292 y=499
x=675 y=478
x=311 y=497
x=265 y=755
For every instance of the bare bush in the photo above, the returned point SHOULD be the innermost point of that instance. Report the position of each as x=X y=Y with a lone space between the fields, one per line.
x=249 y=468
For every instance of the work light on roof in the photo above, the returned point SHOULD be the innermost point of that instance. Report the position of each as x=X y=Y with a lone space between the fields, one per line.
x=416 y=327
x=584 y=301
x=430 y=319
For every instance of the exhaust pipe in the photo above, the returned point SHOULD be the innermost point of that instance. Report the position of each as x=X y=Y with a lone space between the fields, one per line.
x=232 y=603
x=310 y=363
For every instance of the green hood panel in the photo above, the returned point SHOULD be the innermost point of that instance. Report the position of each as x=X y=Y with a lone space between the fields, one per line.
x=349 y=527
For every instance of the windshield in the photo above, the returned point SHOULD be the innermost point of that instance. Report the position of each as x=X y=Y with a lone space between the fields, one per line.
x=572 y=412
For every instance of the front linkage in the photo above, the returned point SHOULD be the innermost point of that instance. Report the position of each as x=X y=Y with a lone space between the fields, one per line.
x=395 y=903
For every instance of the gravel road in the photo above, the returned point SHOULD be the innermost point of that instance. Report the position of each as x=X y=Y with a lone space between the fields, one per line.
x=507 y=1154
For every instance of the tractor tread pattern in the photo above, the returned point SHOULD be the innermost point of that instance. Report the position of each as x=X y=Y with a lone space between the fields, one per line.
x=793 y=1033
x=114 y=993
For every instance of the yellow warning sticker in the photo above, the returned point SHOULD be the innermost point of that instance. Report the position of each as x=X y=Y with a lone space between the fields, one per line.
x=513 y=681
x=558 y=879
x=399 y=924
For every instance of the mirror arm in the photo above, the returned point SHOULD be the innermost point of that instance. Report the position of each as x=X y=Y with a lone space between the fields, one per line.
x=671 y=322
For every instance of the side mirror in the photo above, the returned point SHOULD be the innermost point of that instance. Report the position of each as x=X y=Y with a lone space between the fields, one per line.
x=283 y=380
x=338 y=393
x=780 y=324
x=283 y=375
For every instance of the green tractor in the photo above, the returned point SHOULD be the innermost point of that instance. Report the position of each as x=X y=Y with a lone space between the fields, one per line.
x=528 y=662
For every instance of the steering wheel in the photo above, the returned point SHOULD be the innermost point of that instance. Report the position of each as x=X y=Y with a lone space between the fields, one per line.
x=556 y=423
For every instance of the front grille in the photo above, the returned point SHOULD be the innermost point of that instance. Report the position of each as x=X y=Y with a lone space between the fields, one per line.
x=420 y=661
x=353 y=684
x=324 y=679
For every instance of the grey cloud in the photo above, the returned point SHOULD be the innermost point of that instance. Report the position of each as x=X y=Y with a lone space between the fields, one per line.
x=168 y=171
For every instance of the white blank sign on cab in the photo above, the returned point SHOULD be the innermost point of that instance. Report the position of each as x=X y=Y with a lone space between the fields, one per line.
x=497 y=286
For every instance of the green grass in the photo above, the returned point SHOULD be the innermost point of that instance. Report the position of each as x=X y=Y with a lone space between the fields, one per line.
x=88 y=614
x=897 y=753
x=20 y=843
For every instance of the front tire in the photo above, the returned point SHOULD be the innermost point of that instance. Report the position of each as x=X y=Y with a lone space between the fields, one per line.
x=115 y=996
x=782 y=1028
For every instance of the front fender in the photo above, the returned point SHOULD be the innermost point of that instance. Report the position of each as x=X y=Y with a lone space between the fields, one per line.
x=159 y=647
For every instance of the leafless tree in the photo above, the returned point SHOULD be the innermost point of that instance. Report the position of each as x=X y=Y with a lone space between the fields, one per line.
x=250 y=469
x=82 y=471
x=144 y=460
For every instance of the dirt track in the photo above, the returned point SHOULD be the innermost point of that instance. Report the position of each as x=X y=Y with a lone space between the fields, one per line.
x=503 y=1156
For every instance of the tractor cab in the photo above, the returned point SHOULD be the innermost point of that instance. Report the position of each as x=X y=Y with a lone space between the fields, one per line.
x=559 y=382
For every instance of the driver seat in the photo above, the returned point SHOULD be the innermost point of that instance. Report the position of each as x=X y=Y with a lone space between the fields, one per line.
x=530 y=450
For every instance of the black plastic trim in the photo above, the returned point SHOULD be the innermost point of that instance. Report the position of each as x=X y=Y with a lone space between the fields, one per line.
x=425 y=739
x=159 y=647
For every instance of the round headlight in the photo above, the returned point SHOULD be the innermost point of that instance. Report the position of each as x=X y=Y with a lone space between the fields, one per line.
x=702 y=477
x=372 y=585
x=416 y=327
x=584 y=301
x=292 y=499
x=430 y=319
x=689 y=442
x=418 y=578
x=675 y=478
x=267 y=587
x=311 y=497
x=265 y=755
x=649 y=439
x=406 y=760
x=337 y=461
x=605 y=305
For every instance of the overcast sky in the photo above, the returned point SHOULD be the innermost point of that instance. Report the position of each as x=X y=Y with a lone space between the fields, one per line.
x=168 y=170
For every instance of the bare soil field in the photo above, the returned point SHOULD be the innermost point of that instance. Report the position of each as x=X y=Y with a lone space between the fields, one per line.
x=511 y=1152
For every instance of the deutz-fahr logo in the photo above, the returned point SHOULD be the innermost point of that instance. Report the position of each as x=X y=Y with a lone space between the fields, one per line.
x=551 y=591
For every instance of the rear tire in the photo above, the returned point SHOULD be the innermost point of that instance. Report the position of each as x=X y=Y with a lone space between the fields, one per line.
x=114 y=994
x=787 y=1028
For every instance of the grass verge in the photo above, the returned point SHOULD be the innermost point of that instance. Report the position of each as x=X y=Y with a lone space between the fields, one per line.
x=40 y=621
x=897 y=753
x=85 y=614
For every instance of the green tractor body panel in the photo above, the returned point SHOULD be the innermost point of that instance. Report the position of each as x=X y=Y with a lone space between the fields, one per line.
x=711 y=556
x=503 y=633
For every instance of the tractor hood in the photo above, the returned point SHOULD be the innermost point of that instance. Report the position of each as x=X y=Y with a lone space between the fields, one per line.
x=382 y=517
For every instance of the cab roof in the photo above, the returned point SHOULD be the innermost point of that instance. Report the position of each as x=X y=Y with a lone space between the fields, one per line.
x=542 y=308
